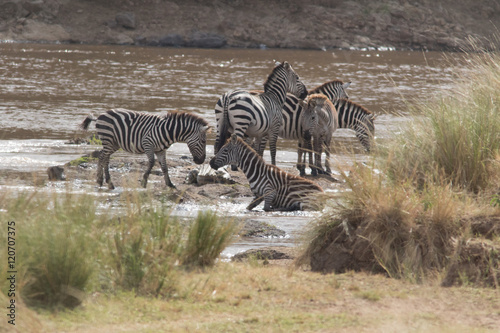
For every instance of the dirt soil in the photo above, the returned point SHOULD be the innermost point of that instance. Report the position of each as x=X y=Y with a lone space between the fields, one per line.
x=317 y=24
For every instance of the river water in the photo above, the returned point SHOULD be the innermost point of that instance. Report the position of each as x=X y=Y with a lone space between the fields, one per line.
x=47 y=90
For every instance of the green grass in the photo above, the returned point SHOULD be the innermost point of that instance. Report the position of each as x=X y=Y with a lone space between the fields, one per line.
x=66 y=250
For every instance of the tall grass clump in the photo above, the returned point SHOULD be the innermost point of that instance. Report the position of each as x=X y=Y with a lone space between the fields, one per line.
x=207 y=237
x=456 y=137
x=54 y=247
x=145 y=246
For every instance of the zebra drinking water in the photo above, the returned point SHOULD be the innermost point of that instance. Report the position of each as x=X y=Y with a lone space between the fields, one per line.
x=278 y=189
x=139 y=133
x=257 y=115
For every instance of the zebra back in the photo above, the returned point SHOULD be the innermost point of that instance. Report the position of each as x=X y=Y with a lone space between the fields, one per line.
x=356 y=117
x=334 y=90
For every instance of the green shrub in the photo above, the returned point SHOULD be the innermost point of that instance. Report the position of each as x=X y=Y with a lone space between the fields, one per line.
x=208 y=236
x=145 y=250
x=54 y=247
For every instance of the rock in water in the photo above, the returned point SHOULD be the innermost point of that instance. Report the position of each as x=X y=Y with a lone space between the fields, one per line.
x=56 y=173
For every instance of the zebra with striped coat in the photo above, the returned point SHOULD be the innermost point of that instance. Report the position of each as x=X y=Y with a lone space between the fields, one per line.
x=258 y=115
x=351 y=115
x=278 y=189
x=137 y=133
x=318 y=122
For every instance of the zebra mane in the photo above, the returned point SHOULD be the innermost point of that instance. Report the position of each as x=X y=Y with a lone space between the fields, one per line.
x=271 y=78
x=318 y=88
x=185 y=115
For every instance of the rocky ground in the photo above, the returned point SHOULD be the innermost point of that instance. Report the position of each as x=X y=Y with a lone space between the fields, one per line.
x=318 y=24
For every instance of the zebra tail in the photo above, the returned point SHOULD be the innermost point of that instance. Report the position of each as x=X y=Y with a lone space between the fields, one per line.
x=85 y=124
x=223 y=128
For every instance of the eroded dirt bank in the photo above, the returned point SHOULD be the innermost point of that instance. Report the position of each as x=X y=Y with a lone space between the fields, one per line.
x=318 y=24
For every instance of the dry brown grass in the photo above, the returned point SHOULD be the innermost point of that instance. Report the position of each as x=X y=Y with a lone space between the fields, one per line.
x=239 y=297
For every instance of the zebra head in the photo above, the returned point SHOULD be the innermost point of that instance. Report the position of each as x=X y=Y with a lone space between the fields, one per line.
x=293 y=83
x=365 y=131
x=308 y=118
x=228 y=154
x=197 y=141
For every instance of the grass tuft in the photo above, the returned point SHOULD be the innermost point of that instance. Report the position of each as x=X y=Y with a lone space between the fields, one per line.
x=208 y=236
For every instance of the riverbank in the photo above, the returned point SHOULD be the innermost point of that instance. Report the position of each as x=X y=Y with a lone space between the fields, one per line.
x=263 y=24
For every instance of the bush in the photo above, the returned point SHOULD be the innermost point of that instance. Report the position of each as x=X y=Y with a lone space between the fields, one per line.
x=145 y=250
x=54 y=247
x=208 y=236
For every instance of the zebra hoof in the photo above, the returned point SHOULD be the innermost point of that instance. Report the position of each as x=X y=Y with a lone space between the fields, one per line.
x=111 y=186
x=172 y=186
x=314 y=172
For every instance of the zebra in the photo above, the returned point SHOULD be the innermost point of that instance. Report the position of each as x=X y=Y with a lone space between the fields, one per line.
x=278 y=189
x=257 y=115
x=137 y=133
x=318 y=122
x=351 y=115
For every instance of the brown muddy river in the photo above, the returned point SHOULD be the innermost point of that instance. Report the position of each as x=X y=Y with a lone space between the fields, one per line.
x=47 y=90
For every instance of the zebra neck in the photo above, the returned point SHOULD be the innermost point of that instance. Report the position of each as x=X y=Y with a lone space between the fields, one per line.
x=275 y=87
x=174 y=126
x=250 y=162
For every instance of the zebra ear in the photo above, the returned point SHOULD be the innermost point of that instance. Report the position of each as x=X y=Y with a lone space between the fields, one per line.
x=286 y=65
x=346 y=85
x=206 y=128
x=277 y=63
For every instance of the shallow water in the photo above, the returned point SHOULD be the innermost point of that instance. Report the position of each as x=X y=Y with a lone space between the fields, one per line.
x=47 y=90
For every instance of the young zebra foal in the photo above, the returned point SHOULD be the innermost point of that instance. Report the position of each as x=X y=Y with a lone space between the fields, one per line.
x=140 y=133
x=278 y=189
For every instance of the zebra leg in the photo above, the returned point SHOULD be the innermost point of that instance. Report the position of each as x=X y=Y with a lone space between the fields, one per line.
x=151 y=158
x=103 y=166
x=255 y=203
x=301 y=164
x=161 y=156
x=327 y=159
x=273 y=141
x=309 y=148
x=318 y=151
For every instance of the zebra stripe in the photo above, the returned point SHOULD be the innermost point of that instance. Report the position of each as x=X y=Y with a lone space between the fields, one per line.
x=278 y=189
x=257 y=115
x=137 y=133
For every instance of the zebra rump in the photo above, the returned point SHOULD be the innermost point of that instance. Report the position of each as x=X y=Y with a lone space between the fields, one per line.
x=278 y=189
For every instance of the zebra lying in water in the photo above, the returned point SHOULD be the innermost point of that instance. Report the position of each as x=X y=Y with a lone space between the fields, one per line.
x=318 y=121
x=139 y=133
x=257 y=115
x=278 y=189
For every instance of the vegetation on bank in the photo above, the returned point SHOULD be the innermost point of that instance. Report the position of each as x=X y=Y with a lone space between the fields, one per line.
x=66 y=250
x=414 y=211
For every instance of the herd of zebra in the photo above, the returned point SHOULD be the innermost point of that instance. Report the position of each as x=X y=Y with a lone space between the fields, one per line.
x=246 y=120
